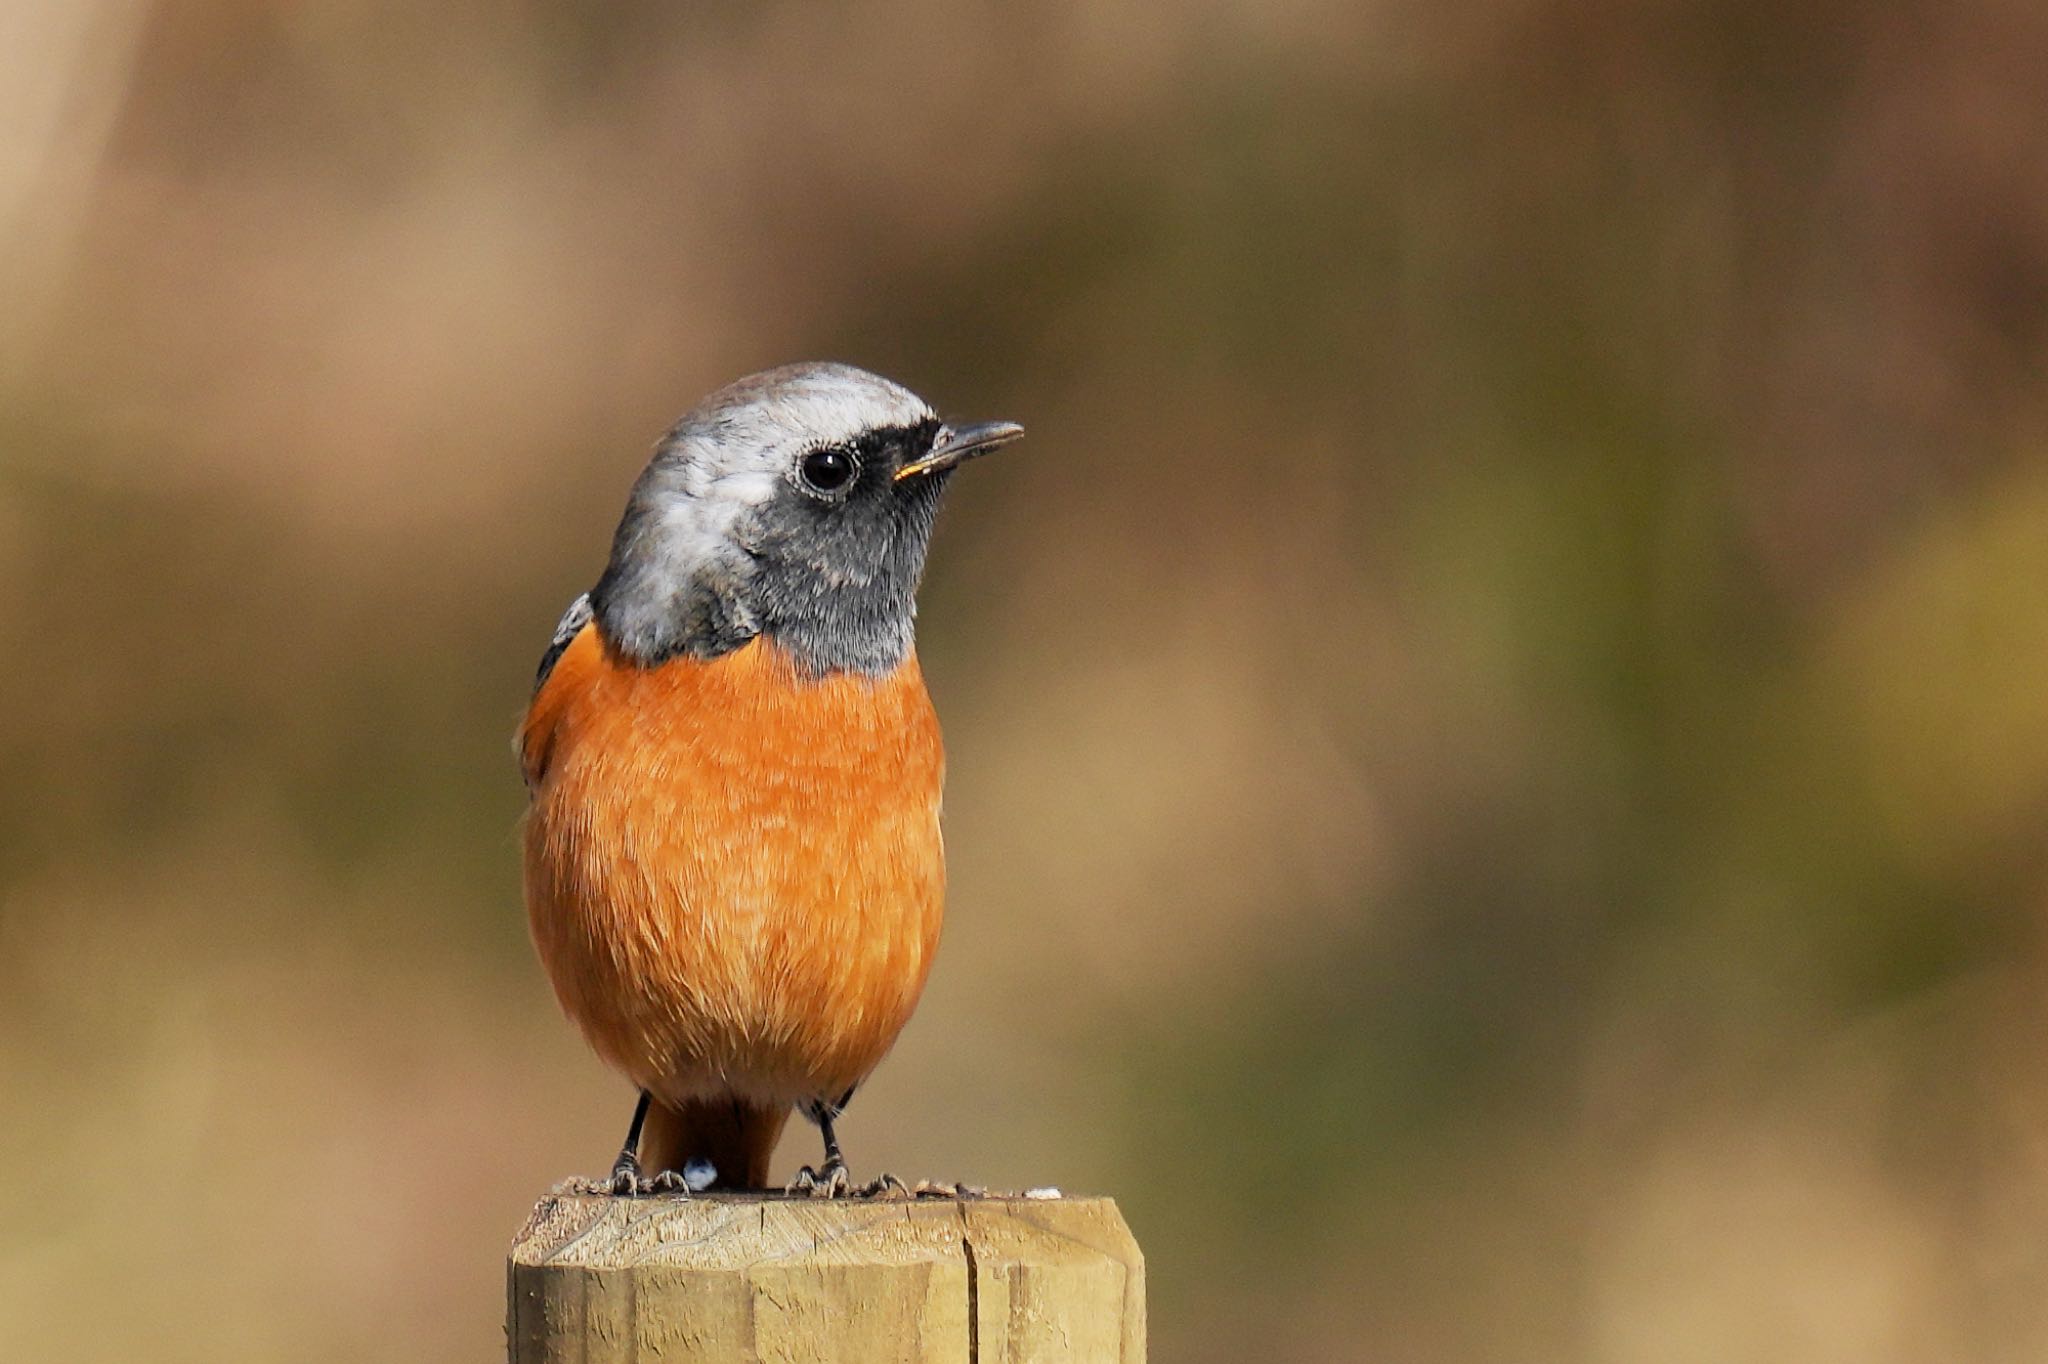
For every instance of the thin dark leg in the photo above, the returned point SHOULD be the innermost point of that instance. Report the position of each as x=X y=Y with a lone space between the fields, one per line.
x=628 y=1162
x=626 y=1179
x=829 y=1180
x=832 y=1156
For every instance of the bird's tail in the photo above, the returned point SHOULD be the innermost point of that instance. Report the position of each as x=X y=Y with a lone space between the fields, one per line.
x=735 y=1136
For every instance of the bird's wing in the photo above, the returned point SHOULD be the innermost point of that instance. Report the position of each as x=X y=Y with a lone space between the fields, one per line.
x=571 y=625
x=533 y=741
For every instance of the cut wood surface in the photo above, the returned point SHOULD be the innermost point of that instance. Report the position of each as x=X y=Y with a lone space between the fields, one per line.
x=719 y=1279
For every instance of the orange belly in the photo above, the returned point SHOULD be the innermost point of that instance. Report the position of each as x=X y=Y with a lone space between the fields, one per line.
x=733 y=873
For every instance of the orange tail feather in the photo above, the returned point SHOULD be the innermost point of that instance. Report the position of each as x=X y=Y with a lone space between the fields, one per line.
x=737 y=1137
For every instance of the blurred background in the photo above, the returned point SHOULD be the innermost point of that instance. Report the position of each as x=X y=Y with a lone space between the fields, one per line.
x=1499 y=746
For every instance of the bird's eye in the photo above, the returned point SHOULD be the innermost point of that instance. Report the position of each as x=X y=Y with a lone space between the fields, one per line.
x=828 y=471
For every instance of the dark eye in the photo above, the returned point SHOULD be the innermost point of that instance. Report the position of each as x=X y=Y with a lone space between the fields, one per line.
x=829 y=470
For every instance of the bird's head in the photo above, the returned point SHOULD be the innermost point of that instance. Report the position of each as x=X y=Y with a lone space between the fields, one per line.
x=795 y=504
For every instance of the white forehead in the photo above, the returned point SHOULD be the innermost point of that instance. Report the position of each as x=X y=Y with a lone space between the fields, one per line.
x=736 y=448
x=782 y=410
x=735 y=444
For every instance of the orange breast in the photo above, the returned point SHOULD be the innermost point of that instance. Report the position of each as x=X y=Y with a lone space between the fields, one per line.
x=733 y=873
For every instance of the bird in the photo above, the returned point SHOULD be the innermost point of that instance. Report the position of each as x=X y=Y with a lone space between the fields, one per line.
x=733 y=867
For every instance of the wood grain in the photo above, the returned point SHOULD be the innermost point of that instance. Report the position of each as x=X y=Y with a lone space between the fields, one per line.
x=724 y=1279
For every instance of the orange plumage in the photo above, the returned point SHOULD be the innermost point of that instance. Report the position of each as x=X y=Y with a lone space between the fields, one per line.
x=734 y=878
x=733 y=867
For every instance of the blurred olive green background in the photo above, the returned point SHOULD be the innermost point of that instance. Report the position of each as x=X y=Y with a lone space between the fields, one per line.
x=1498 y=733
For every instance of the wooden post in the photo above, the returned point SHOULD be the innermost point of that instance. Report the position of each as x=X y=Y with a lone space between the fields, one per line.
x=720 y=1279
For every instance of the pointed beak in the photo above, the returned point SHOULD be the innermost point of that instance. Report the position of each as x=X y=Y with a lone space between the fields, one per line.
x=958 y=444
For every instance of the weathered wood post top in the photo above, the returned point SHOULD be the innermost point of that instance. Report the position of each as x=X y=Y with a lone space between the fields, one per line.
x=719 y=1279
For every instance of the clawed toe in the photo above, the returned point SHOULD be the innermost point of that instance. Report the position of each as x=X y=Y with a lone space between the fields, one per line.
x=830 y=1182
x=623 y=1182
x=627 y=1181
x=884 y=1186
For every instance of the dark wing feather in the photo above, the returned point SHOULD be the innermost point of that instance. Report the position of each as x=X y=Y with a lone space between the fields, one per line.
x=571 y=625
x=529 y=746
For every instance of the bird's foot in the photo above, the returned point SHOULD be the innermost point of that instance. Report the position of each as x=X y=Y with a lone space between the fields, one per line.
x=628 y=1181
x=668 y=1181
x=617 y=1184
x=624 y=1181
x=832 y=1181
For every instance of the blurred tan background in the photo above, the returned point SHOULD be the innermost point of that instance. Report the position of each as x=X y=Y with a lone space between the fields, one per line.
x=1499 y=739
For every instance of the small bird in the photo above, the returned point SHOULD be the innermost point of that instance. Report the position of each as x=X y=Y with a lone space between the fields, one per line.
x=733 y=866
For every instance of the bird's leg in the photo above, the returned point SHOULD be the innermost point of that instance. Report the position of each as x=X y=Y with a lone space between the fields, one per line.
x=627 y=1179
x=833 y=1160
x=624 y=1180
x=830 y=1180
